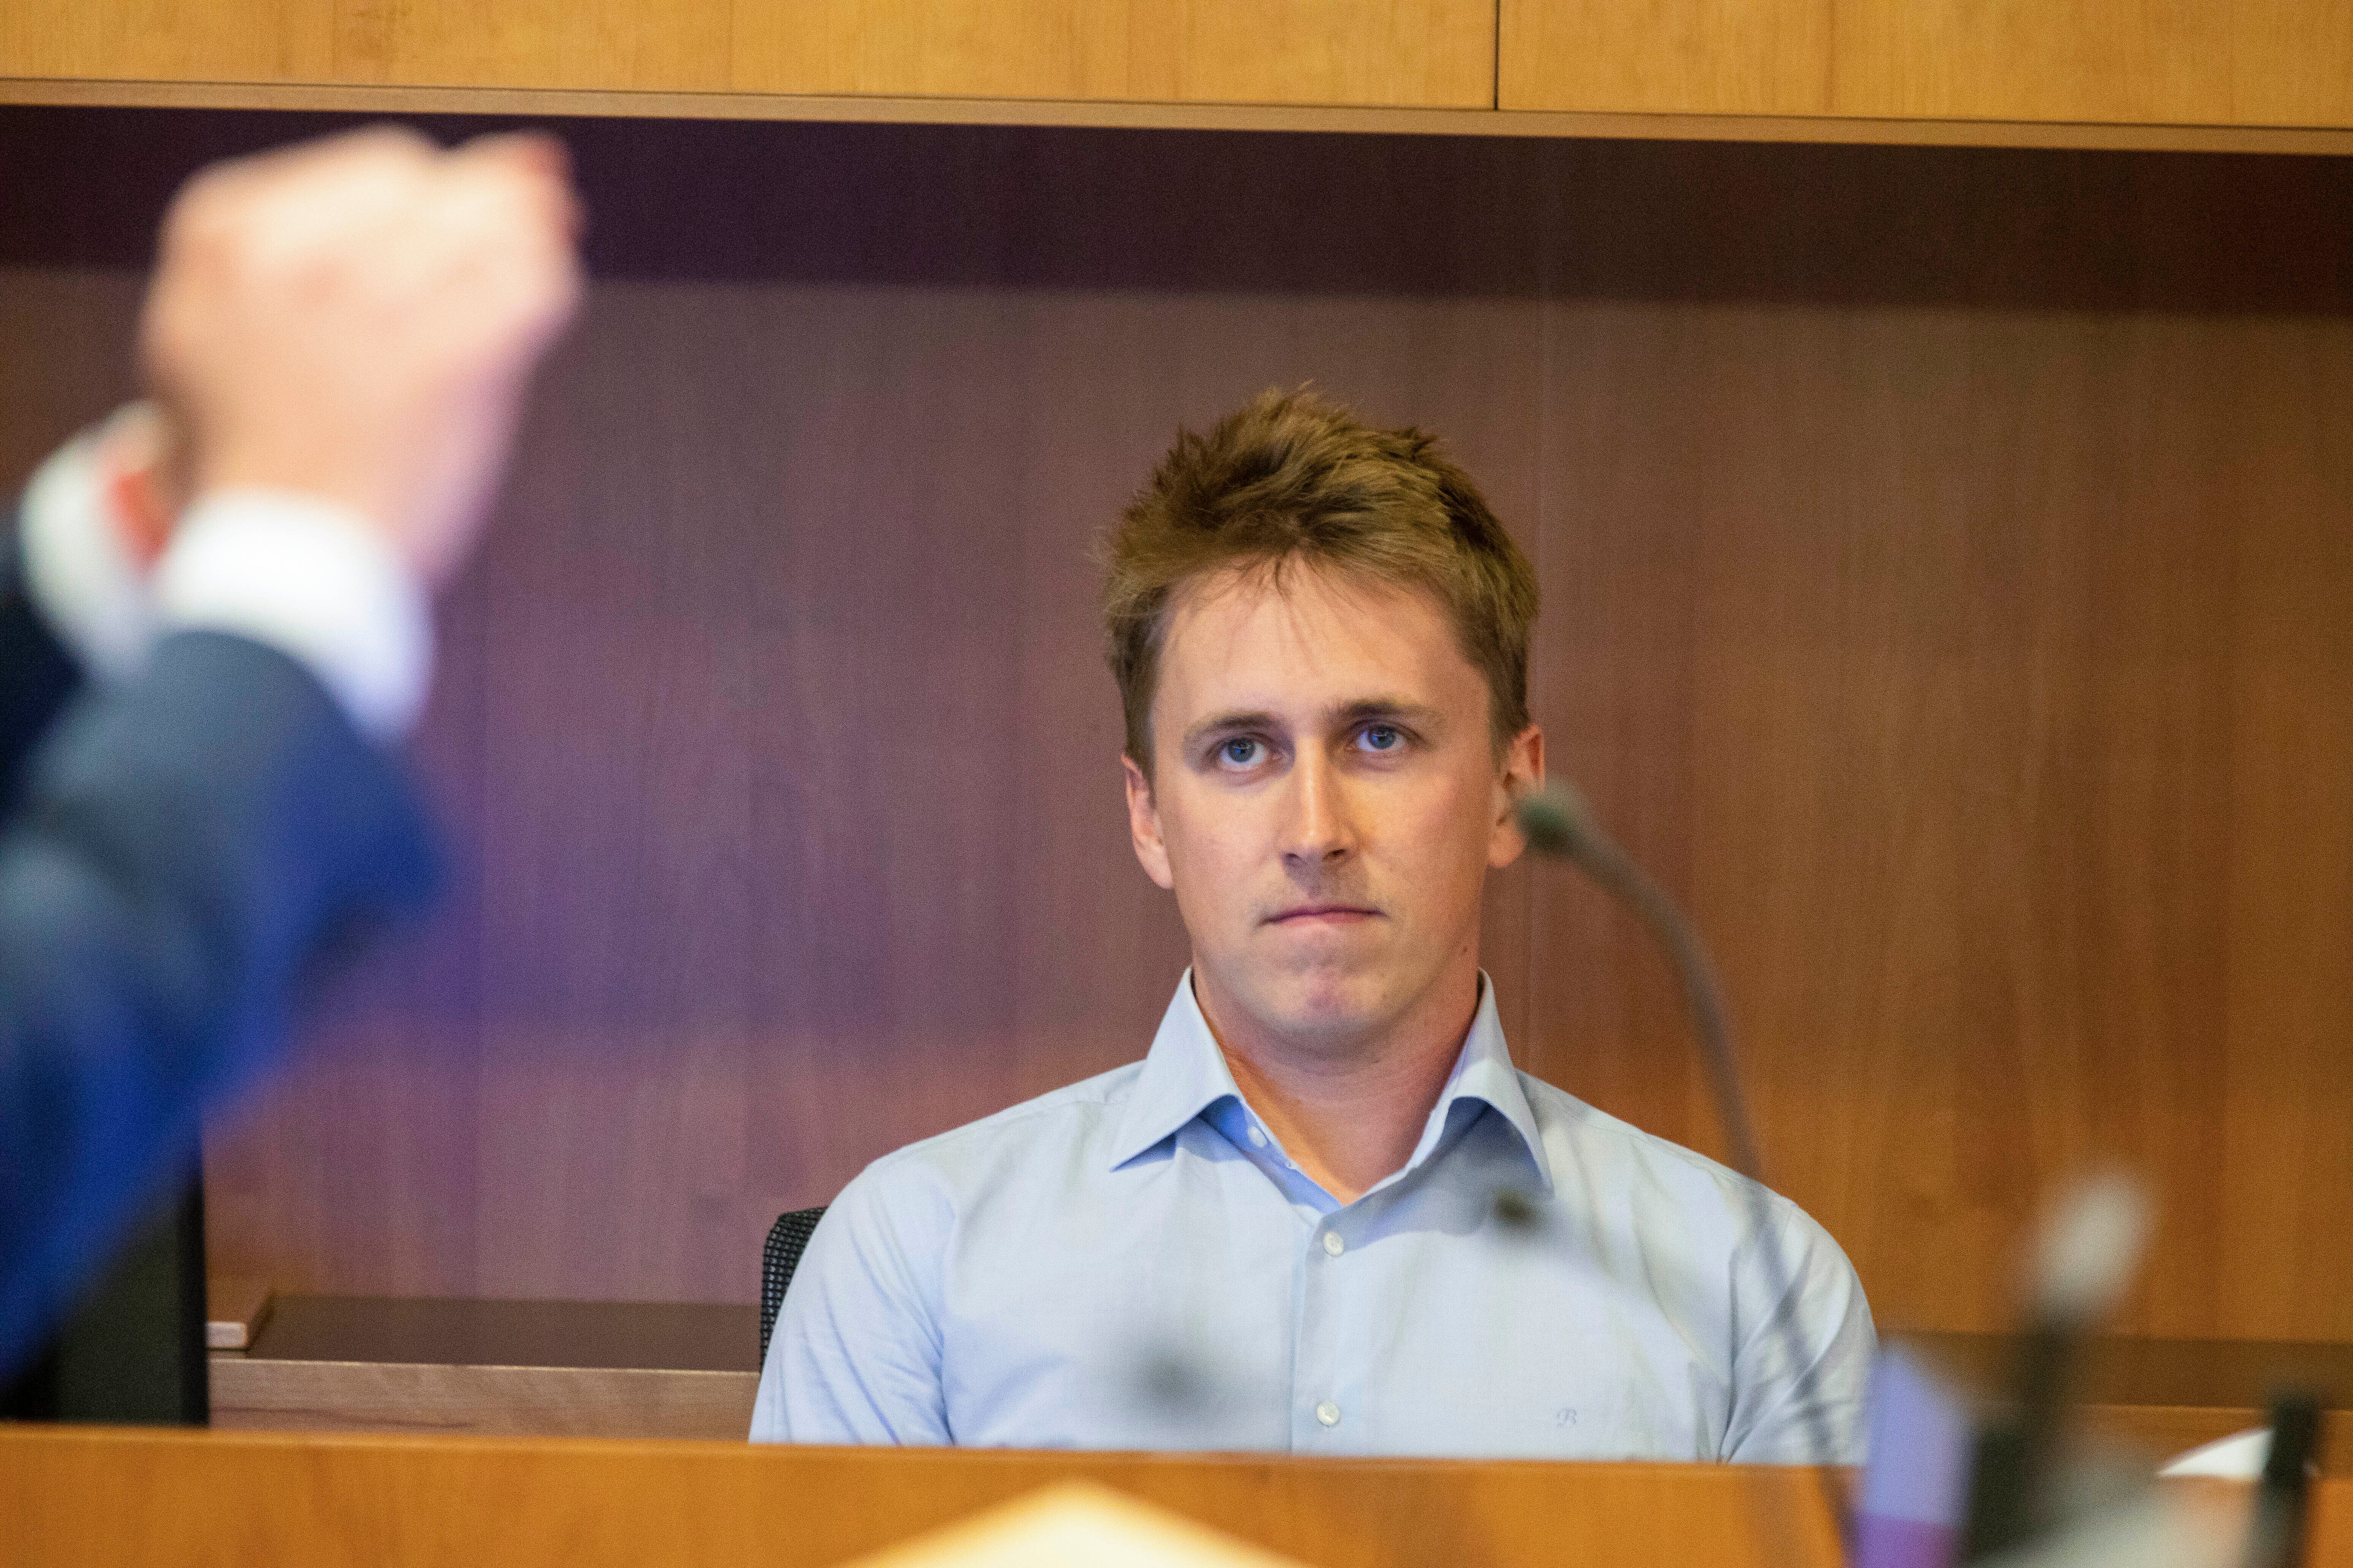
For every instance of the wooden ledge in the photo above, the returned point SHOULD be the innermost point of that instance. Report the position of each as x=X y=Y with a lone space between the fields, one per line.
x=258 y=1395
x=636 y=1336
x=2165 y=1396
x=603 y=1369
x=540 y=103
x=2197 y=1373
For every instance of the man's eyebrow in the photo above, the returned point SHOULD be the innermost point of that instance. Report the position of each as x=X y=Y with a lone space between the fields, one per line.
x=1228 y=724
x=1394 y=709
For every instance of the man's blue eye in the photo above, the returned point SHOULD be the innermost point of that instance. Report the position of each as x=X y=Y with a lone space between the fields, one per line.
x=1383 y=738
x=1241 y=753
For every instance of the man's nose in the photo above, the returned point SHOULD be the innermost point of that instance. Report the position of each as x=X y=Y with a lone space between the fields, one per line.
x=1321 y=831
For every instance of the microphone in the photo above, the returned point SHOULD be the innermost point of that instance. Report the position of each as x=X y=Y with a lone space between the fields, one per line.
x=2277 y=1529
x=1559 y=826
x=2083 y=1262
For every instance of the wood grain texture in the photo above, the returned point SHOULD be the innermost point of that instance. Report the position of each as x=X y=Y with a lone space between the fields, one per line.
x=1946 y=555
x=2141 y=1433
x=626 y=1336
x=389 y=1501
x=590 y=1369
x=252 y=1393
x=2260 y=62
x=2210 y=1375
x=646 y=103
x=1424 y=52
x=1953 y=780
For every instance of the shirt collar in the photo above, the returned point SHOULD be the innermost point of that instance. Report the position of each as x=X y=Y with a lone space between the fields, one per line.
x=1186 y=1074
x=1484 y=1073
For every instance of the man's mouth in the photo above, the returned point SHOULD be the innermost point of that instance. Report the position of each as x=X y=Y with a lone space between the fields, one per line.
x=1322 y=914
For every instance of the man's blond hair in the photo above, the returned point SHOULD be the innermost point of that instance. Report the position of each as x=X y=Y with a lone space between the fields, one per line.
x=1294 y=477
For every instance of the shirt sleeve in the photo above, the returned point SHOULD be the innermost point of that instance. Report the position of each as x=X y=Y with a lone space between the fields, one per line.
x=855 y=1356
x=78 y=573
x=314 y=581
x=1804 y=1348
x=293 y=571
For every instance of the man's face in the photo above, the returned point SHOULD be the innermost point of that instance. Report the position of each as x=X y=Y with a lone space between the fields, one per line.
x=1324 y=800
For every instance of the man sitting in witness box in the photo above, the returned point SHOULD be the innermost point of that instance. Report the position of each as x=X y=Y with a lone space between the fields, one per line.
x=1279 y=1230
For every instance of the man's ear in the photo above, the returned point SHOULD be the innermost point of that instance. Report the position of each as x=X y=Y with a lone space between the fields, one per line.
x=1523 y=770
x=1144 y=823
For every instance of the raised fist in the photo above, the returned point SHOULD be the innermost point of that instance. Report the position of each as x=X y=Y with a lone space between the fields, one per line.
x=356 y=318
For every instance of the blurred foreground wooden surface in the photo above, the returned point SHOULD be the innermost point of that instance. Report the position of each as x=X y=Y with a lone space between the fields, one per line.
x=98 y=1495
x=321 y=1501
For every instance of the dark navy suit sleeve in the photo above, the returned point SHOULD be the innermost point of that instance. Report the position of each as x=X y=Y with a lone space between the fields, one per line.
x=36 y=674
x=184 y=847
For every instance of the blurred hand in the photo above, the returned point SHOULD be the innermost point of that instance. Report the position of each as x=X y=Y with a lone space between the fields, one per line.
x=358 y=319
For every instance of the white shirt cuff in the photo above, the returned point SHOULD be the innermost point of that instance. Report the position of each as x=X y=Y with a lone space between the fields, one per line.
x=77 y=569
x=312 y=579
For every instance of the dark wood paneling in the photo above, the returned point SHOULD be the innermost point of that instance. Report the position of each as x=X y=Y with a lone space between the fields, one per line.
x=619 y=1336
x=1930 y=668
x=1948 y=566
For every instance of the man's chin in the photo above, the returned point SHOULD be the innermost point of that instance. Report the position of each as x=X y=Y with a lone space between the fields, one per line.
x=1323 y=999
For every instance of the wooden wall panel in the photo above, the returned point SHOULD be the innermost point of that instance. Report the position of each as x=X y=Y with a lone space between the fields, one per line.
x=1947 y=559
x=1426 y=53
x=1957 y=744
x=2255 y=62
x=1422 y=52
x=2289 y=974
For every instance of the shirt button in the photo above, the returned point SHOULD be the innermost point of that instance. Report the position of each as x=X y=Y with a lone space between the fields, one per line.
x=1328 y=1414
x=1257 y=1139
x=1334 y=1245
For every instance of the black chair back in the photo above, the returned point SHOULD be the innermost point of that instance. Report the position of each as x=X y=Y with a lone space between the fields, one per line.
x=787 y=1240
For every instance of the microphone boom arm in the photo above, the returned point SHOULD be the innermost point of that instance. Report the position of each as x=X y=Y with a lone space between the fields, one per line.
x=1558 y=824
x=1703 y=998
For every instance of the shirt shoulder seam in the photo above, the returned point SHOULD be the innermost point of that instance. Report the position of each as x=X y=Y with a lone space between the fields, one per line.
x=1088 y=1094
x=1598 y=1121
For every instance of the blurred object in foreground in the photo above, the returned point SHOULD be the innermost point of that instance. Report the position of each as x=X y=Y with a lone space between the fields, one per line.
x=1909 y=1509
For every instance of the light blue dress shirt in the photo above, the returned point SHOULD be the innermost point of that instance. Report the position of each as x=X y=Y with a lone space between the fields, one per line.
x=1133 y=1262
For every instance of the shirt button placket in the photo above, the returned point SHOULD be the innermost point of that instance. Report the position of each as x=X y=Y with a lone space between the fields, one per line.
x=1325 y=1286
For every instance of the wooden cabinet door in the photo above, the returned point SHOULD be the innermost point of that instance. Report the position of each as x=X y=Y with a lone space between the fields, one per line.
x=1394 y=52
x=2180 y=62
